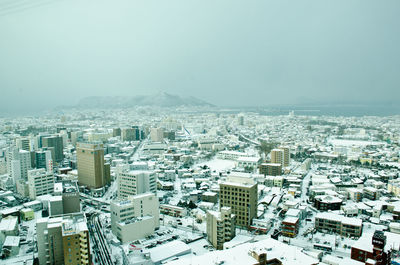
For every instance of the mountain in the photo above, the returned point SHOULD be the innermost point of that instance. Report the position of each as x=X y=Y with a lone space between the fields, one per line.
x=161 y=99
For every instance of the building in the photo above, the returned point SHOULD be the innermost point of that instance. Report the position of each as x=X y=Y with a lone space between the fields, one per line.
x=285 y=156
x=375 y=248
x=128 y=134
x=239 y=192
x=157 y=134
x=290 y=226
x=270 y=169
x=11 y=246
x=43 y=158
x=57 y=143
x=116 y=132
x=370 y=193
x=277 y=156
x=173 y=210
x=8 y=227
x=394 y=187
x=70 y=197
x=327 y=202
x=63 y=239
x=23 y=144
x=220 y=227
x=131 y=183
x=135 y=218
x=345 y=226
x=90 y=159
x=40 y=182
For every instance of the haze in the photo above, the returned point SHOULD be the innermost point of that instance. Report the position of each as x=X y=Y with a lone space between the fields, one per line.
x=227 y=52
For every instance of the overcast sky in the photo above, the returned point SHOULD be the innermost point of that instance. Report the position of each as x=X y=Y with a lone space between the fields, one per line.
x=228 y=52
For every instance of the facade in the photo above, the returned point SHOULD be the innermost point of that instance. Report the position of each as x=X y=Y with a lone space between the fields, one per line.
x=220 y=227
x=40 y=182
x=57 y=143
x=270 y=169
x=370 y=193
x=128 y=134
x=90 y=159
x=63 y=239
x=135 y=218
x=394 y=187
x=241 y=195
x=290 y=226
x=277 y=156
x=345 y=226
x=136 y=182
x=42 y=158
x=327 y=202
x=157 y=134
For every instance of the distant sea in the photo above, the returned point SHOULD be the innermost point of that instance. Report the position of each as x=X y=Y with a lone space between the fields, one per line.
x=327 y=110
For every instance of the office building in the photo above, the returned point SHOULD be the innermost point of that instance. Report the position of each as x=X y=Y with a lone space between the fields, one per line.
x=135 y=182
x=157 y=134
x=90 y=160
x=128 y=134
x=135 y=217
x=43 y=158
x=63 y=239
x=57 y=143
x=40 y=182
x=239 y=192
x=23 y=144
x=220 y=227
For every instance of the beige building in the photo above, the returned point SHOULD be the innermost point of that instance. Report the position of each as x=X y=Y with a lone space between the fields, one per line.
x=277 y=156
x=394 y=187
x=135 y=218
x=63 y=239
x=157 y=134
x=90 y=159
x=135 y=182
x=239 y=192
x=285 y=156
x=40 y=182
x=220 y=227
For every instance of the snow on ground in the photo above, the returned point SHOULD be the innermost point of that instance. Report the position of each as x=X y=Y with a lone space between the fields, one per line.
x=218 y=164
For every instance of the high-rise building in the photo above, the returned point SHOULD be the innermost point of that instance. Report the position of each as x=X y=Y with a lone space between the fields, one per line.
x=285 y=156
x=116 y=132
x=277 y=156
x=239 y=192
x=220 y=227
x=42 y=158
x=63 y=240
x=135 y=182
x=23 y=144
x=40 y=182
x=90 y=160
x=57 y=143
x=128 y=134
x=136 y=217
x=18 y=163
x=157 y=134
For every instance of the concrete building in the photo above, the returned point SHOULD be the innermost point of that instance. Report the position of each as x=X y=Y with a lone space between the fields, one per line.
x=345 y=226
x=40 y=182
x=23 y=144
x=239 y=192
x=128 y=134
x=131 y=183
x=134 y=218
x=220 y=227
x=290 y=226
x=277 y=156
x=157 y=134
x=394 y=187
x=285 y=156
x=43 y=158
x=270 y=169
x=327 y=202
x=57 y=143
x=90 y=160
x=63 y=239
x=8 y=227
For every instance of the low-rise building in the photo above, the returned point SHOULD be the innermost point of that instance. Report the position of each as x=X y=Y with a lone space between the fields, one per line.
x=345 y=226
x=290 y=226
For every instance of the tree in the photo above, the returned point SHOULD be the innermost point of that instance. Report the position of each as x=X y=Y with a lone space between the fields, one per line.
x=266 y=147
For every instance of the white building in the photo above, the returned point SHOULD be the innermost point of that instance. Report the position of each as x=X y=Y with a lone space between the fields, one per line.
x=40 y=182
x=136 y=217
x=157 y=134
x=131 y=183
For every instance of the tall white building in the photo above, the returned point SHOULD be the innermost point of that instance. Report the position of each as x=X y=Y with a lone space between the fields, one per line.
x=157 y=134
x=136 y=217
x=131 y=183
x=40 y=182
x=18 y=163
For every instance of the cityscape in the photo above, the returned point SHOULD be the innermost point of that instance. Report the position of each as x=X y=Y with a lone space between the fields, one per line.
x=185 y=132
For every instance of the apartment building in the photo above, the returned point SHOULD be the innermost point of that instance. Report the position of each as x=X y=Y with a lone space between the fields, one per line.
x=63 y=239
x=345 y=226
x=270 y=169
x=290 y=226
x=220 y=227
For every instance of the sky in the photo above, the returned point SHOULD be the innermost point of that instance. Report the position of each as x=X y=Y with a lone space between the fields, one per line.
x=227 y=52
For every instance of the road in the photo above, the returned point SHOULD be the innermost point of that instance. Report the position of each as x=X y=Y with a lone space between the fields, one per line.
x=101 y=250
